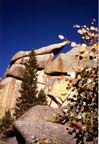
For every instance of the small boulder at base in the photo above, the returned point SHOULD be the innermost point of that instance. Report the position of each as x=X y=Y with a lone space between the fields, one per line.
x=46 y=132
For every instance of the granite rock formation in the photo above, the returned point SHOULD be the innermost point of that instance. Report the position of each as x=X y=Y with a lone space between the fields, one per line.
x=40 y=123
x=53 y=74
x=10 y=84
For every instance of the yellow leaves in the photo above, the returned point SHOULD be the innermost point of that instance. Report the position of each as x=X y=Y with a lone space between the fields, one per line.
x=89 y=34
x=83 y=49
x=61 y=37
x=73 y=44
x=80 y=31
x=92 y=28
x=76 y=26
x=79 y=77
x=83 y=46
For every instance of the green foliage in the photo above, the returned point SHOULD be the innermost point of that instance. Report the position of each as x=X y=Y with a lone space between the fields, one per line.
x=42 y=99
x=28 y=87
x=6 y=122
x=28 y=90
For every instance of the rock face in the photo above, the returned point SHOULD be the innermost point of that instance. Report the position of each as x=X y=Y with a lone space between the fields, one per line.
x=44 y=50
x=41 y=113
x=9 y=91
x=11 y=83
x=39 y=124
x=16 y=71
x=43 y=131
x=53 y=74
x=69 y=62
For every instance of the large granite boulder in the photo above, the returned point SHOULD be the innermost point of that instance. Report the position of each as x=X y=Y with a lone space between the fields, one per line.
x=40 y=123
x=17 y=68
x=52 y=73
x=41 y=113
x=47 y=132
x=44 y=50
x=16 y=71
x=42 y=60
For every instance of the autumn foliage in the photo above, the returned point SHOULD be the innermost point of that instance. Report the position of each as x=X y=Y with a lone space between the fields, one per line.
x=82 y=110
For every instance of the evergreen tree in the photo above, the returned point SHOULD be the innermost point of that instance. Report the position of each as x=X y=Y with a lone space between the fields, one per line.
x=28 y=87
x=6 y=122
x=42 y=100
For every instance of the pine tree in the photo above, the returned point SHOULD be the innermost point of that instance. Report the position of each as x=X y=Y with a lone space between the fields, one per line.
x=42 y=100
x=28 y=87
x=6 y=122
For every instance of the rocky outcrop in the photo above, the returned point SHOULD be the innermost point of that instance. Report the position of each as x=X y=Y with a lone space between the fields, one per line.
x=57 y=90
x=44 y=50
x=70 y=61
x=40 y=124
x=17 y=68
x=41 y=113
x=15 y=71
x=43 y=131
x=54 y=75
x=55 y=48
x=42 y=60
x=11 y=83
x=9 y=91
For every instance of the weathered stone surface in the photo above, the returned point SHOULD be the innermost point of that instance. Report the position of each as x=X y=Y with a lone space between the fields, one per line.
x=47 y=131
x=41 y=113
x=16 y=71
x=12 y=140
x=20 y=54
x=9 y=91
x=42 y=60
x=54 y=48
x=6 y=140
x=69 y=62
x=44 y=50
x=57 y=90
x=21 y=60
x=42 y=77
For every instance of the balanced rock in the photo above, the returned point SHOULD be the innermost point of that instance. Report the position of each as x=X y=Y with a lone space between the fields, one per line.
x=54 y=48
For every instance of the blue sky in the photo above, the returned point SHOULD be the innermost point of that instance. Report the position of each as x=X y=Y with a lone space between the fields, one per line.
x=27 y=24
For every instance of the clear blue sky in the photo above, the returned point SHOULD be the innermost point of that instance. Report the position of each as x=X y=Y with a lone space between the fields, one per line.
x=27 y=24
